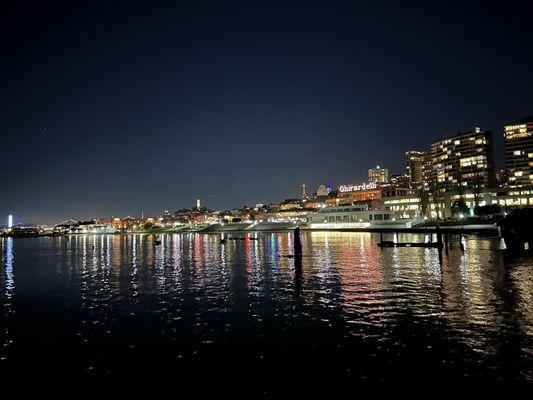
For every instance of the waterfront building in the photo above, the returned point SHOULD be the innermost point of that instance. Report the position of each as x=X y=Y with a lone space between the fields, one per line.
x=378 y=175
x=290 y=204
x=91 y=227
x=416 y=161
x=519 y=153
x=409 y=206
x=291 y=215
x=412 y=206
x=118 y=223
x=368 y=194
x=355 y=217
x=463 y=161
x=507 y=199
x=315 y=202
x=511 y=198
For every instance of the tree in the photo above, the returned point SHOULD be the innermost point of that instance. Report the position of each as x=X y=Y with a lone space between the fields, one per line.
x=459 y=207
x=484 y=211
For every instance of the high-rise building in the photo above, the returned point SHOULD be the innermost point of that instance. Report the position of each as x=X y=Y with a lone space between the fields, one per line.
x=378 y=175
x=198 y=204
x=463 y=161
x=304 y=194
x=416 y=160
x=400 y=180
x=519 y=153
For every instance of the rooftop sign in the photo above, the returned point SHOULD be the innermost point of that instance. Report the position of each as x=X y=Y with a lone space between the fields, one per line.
x=356 y=188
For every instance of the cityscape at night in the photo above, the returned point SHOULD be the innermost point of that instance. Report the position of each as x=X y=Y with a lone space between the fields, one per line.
x=268 y=199
x=455 y=179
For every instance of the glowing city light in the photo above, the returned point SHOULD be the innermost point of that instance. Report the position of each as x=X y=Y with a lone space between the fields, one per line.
x=10 y=221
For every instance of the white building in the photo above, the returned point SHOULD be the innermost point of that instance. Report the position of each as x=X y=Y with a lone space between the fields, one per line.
x=353 y=217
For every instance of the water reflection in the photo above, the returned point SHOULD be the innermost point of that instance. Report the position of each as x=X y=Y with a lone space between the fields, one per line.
x=9 y=275
x=193 y=300
x=7 y=287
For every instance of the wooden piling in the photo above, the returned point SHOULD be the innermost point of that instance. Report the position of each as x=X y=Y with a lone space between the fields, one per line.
x=297 y=242
x=439 y=242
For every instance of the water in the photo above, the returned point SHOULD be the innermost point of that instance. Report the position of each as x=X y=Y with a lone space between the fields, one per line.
x=204 y=314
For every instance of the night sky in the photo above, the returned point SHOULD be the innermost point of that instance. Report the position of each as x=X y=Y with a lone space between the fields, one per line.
x=111 y=108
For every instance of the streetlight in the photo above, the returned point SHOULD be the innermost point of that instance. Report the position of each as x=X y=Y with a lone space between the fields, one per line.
x=461 y=217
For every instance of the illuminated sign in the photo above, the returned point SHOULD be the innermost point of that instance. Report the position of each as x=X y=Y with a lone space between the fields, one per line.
x=356 y=188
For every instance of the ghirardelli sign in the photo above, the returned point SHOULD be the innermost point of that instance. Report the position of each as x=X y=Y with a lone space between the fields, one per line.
x=356 y=188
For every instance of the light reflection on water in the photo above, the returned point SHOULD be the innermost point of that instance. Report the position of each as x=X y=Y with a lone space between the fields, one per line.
x=119 y=302
x=7 y=288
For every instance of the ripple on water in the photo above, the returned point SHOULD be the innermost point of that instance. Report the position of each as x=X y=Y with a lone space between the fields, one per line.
x=125 y=303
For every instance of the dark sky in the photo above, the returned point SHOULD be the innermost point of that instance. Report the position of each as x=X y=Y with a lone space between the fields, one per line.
x=110 y=108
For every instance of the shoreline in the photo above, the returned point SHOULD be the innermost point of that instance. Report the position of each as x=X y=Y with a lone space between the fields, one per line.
x=454 y=230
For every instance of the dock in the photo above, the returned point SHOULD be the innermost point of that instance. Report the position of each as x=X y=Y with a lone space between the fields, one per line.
x=389 y=243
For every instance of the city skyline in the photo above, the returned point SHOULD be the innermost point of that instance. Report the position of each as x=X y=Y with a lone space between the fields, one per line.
x=366 y=178
x=233 y=105
x=267 y=199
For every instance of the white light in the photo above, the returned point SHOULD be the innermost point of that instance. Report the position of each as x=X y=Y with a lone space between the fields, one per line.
x=10 y=221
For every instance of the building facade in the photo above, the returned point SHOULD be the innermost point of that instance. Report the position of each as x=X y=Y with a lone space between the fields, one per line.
x=415 y=163
x=355 y=217
x=463 y=161
x=519 y=153
x=400 y=180
x=378 y=175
